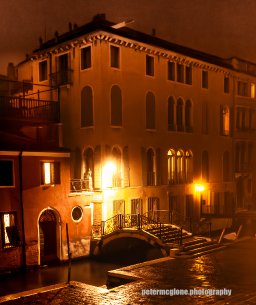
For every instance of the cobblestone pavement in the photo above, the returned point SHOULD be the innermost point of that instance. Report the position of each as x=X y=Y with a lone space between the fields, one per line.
x=233 y=268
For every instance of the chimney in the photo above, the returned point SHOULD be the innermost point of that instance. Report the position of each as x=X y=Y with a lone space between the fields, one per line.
x=153 y=32
x=56 y=34
x=99 y=17
x=70 y=26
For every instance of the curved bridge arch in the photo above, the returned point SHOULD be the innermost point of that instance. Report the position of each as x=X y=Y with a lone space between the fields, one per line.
x=128 y=233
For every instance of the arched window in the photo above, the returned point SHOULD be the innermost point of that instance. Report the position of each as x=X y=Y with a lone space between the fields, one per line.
x=151 y=167
x=150 y=111
x=86 y=107
x=188 y=166
x=116 y=106
x=117 y=159
x=205 y=166
x=180 y=166
x=171 y=115
x=188 y=116
x=226 y=166
x=171 y=166
x=179 y=115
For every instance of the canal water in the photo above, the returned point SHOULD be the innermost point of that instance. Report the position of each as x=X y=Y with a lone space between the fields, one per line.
x=85 y=270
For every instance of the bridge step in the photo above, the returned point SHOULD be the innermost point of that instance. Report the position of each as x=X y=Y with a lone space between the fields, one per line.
x=199 y=247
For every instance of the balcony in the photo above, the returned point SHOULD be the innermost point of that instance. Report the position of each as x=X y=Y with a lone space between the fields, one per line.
x=61 y=78
x=29 y=110
x=81 y=185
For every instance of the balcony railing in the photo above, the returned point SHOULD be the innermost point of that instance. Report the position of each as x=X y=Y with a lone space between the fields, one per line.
x=27 y=109
x=63 y=77
x=81 y=185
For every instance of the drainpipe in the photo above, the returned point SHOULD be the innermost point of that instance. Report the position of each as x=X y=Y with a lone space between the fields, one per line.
x=24 y=262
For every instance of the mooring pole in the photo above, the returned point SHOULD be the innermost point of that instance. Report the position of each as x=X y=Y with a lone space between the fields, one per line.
x=69 y=255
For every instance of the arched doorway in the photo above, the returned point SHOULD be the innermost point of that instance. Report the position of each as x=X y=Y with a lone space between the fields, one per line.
x=48 y=237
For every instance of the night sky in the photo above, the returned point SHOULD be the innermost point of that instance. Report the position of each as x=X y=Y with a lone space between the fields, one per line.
x=222 y=27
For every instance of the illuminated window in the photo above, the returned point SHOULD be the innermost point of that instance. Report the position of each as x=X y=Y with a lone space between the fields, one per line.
x=43 y=70
x=50 y=173
x=205 y=79
x=171 y=70
x=6 y=173
x=149 y=65
x=117 y=174
x=114 y=57
x=171 y=166
x=225 y=120
x=180 y=166
x=9 y=230
x=86 y=58
x=188 y=166
x=86 y=107
x=252 y=90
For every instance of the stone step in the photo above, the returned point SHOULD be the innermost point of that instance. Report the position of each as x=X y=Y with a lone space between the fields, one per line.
x=202 y=248
x=197 y=245
x=194 y=241
x=200 y=251
x=208 y=251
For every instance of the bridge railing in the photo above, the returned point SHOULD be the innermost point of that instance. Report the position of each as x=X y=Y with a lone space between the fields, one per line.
x=122 y=221
x=149 y=221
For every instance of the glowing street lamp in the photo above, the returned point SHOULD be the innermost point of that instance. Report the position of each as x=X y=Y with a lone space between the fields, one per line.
x=108 y=170
x=199 y=188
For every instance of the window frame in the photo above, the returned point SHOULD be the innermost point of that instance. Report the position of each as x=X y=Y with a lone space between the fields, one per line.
x=41 y=68
x=150 y=65
x=205 y=79
x=55 y=173
x=112 y=55
x=3 y=231
x=83 y=57
x=13 y=175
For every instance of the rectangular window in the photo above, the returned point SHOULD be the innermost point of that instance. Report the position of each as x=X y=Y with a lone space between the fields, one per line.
x=9 y=231
x=205 y=79
x=188 y=75
x=114 y=57
x=153 y=208
x=50 y=173
x=6 y=173
x=252 y=90
x=118 y=207
x=63 y=75
x=149 y=65
x=242 y=88
x=43 y=71
x=180 y=73
x=226 y=84
x=224 y=120
x=171 y=70
x=86 y=58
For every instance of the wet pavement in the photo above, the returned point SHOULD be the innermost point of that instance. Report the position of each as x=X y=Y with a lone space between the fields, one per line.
x=232 y=268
